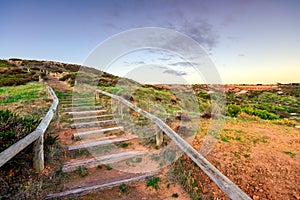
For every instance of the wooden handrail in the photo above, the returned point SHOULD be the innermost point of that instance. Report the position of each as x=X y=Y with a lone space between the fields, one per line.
x=226 y=185
x=36 y=136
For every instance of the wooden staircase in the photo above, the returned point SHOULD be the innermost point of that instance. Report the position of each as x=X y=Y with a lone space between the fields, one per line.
x=99 y=136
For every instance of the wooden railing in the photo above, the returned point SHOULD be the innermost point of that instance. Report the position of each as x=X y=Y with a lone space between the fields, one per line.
x=226 y=185
x=37 y=136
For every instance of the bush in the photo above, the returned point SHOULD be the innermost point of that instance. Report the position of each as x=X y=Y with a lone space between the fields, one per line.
x=263 y=114
x=233 y=110
x=70 y=78
x=244 y=115
x=13 y=127
x=153 y=182
x=249 y=110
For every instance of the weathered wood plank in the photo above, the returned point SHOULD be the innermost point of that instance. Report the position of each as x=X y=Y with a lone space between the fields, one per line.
x=100 y=160
x=71 y=101
x=86 y=112
x=232 y=190
x=79 y=104
x=94 y=124
x=100 y=143
x=98 y=131
x=91 y=117
x=99 y=187
x=13 y=150
x=82 y=108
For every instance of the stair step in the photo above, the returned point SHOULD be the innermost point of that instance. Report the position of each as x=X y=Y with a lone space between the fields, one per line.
x=91 y=117
x=87 y=189
x=78 y=108
x=86 y=112
x=94 y=162
x=98 y=131
x=77 y=102
x=94 y=124
x=76 y=99
x=80 y=104
x=100 y=143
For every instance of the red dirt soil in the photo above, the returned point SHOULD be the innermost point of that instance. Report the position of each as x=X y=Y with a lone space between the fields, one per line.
x=262 y=158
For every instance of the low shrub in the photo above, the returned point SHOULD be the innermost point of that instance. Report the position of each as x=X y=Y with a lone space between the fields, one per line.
x=286 y=122
x=153 y=182
x=263 y=114
x=233 y=110
x=247 y=116
x=249 y=110
x=14 y=127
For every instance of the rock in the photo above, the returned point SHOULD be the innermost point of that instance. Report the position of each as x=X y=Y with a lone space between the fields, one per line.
x=206 y=115
x=158 y=99
x=183 y=130
x=128 y=97
x=183 y=117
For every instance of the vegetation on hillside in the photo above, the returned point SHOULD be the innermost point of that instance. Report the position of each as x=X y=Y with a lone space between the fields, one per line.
x=12 y=75
x=268 y=104
x=14 y=127
x=30 y=91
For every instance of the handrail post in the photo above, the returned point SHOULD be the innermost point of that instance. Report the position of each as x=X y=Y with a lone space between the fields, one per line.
x=159 y=136
x=120 y=109
x=97 y=96
x=38 y=154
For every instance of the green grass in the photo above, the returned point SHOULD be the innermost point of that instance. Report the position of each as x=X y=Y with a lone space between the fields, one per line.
x=83 y=171
x=224 y=139
x=289 y=153
x=30 y=91
x=108 y=167
x=14 y=127
x=81 y=152
x=246 y=155
x=153 y=182
x=175 y=195
x=123 y=188
x=123 y=145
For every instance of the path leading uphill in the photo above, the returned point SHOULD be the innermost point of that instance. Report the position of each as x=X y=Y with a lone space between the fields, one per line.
x=94 y=141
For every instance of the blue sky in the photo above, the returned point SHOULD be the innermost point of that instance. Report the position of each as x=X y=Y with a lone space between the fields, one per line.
x=248 y=41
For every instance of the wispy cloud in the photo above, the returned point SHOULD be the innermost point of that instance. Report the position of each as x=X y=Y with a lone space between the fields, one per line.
x=139 y=63
x=181 y=64
x=173 y=72
x=164 y=58
x=200 y=31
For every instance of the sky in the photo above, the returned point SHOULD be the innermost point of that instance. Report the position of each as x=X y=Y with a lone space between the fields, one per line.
x=246 y=41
